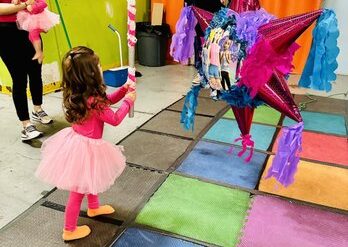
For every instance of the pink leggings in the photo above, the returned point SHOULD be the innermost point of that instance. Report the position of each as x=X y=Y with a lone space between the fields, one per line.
x=72 y=209
x=34 y=35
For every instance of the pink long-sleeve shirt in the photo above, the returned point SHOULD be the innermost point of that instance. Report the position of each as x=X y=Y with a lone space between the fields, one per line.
x=93 y=126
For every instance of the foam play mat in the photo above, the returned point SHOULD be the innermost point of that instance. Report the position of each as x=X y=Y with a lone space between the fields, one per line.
x=131 y=189
x=43 y=227
x=310 y=212
x=192 y=189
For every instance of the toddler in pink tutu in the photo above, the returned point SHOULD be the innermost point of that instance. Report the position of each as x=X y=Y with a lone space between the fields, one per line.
x=76 y=158
x=36 y=19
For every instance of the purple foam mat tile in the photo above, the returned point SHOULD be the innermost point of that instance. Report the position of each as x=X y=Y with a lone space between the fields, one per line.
x=274 y=222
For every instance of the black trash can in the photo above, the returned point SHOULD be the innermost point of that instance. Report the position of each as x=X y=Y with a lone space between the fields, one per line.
x=152 y=44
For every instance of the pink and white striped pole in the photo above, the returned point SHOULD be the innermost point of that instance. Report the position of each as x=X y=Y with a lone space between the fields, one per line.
x=132 y=40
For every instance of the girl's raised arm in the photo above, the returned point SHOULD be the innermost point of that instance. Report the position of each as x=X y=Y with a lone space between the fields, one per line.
x=117 y=95
x=115 y=118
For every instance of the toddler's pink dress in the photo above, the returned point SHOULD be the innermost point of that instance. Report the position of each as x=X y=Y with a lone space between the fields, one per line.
x=77 y=159
x=39 y=19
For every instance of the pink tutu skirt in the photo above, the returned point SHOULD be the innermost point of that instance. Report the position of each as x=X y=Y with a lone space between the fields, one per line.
x=77 y=163
x=44 y=21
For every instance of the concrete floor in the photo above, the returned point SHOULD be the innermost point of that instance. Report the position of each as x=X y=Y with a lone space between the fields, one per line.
x=157 y=89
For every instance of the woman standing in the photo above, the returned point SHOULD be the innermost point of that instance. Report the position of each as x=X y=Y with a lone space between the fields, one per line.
x=16 y=51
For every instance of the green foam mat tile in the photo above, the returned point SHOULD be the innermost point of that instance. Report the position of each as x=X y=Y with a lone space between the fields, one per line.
x=198 y=210
x=262 y=114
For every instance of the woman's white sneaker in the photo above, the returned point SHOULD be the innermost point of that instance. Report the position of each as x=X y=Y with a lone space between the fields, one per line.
x=30 y=132
x=42 y=117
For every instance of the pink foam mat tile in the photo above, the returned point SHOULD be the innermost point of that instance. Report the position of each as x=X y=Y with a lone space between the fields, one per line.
x=274 y=222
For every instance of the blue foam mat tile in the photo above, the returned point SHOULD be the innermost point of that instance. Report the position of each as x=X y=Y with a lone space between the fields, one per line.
x=134 y=237
x=211 y=161
x=322 y=122
x=227 y=131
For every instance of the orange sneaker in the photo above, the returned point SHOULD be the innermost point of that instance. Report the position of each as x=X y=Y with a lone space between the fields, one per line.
x=106 y=209
x=80 y=232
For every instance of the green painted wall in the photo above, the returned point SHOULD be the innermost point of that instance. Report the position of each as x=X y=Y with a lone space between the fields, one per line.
x=86 y=22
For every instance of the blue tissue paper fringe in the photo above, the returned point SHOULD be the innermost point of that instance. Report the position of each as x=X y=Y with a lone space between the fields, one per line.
x=321 y=64
x=189 y=110
x=240 y=97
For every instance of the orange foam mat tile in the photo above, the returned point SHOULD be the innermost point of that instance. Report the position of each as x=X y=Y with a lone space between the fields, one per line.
x=315 y=183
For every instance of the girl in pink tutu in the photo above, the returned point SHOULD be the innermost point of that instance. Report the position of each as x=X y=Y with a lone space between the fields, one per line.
x=76 y=158
x=36 y=19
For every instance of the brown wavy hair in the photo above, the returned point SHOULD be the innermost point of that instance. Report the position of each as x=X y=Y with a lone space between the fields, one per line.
x=82 y=81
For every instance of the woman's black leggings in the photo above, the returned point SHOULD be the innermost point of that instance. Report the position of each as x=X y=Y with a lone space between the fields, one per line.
x=16 y=51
